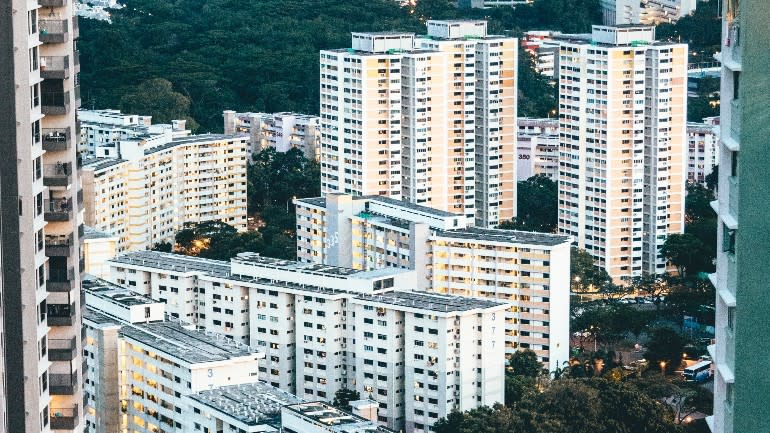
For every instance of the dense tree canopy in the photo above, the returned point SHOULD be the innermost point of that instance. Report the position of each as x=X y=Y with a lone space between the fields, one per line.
x=568 y=406
x=275 y=178
x=220 y=241
x=343 y=397
x=687 y=253
x=665 y=348
x=262 y=55
x=525 y=363
x=537 y=205
x=585 y=274
x=157 y=96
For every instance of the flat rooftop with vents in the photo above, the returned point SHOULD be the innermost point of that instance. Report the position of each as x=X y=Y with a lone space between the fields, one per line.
x=439 y=303
x=321 y=417
x=251 y=267
x=250 y=404
x=188 y=346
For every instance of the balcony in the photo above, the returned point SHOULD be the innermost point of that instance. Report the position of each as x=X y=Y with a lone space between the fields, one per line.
x=55 y=139
x=52 y=3
x=77 y=95
x=58 y=245
x=57 y=209
x=60 y=279
x=62 y=349
x=76 y=61
x=61 y=315
x=55 y=67
x=80 y=202
x=64 y=418
x=53 y=31
x=63 y=384
x=59 y=174
x=56 y=103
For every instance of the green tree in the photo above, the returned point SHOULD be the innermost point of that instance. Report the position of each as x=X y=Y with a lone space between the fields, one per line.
x=209 y=239
x=525 y=363
x=698 y=203
x=537 y=205
x=157 y=98
x=537 y=96
x=484 y=419
x=689 y=297
x=568 y=406
x=163 y=246
x=586 y=276
x=712 y=179
x=701 y=31
x=343 y=397
x=687 y=253
x=518 y=388
x=276 y=178
x=665 y=349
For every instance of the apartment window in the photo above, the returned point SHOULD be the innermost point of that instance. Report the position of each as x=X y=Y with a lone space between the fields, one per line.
x=36 y=132
x=731 y=318
x=728 y=239
x=39 y=204
x=32 y=30
x=733 y=164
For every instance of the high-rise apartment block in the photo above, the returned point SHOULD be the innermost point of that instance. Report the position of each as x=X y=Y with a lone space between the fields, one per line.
x=741 y=400
x=430 y=119
x=281 y=131
x=322 y=328
x=143 y=192
x=647 y=12
x=530 y=271
x=40 y=202
x=141 y=366
x=702 y=149
x=107 y=128
x=622 y=161
x=538 y=148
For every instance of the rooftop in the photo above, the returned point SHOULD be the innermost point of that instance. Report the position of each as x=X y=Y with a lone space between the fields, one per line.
x=99 y=318
x=251 y=403
x=98 y=164
x=291 y=265
x=334 y=419
x=385 y=33
x=193 y=347
x=321 y=202
x=314 y=201
x=507 y=236
x=92 y=233
x=407 y=205
x=431 y=301
x=220 y=269
x=202 y=138
x=174 y=262
x=114 y=293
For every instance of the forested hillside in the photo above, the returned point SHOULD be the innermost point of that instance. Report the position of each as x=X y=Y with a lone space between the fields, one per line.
x=262 y=55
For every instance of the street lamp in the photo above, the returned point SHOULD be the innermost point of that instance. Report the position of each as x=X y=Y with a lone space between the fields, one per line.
x=663 y=368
